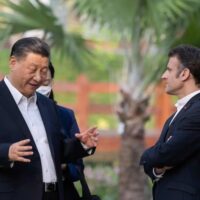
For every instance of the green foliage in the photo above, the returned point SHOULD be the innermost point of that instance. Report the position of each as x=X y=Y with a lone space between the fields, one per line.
x=103 y=121
x=65 y=98
x=156 y=24
x=105 y=64
x=106 y=192
x=121 y=14
x=103 y=98
x=103 y=180
x=29 y=15
x=178 y=9
x=4 y=56
x=104 y=12
x=100 y=68
x=19 y=17
x=25 y=16
x=189 y=34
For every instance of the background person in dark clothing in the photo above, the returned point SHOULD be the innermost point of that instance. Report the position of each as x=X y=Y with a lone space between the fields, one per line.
x=71 y=171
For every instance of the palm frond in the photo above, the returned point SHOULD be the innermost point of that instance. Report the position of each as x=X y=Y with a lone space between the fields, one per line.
x=162 y=21
x=26 y=15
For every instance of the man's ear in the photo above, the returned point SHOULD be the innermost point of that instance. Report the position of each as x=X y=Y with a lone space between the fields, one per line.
x=185 y=74
x=12 y=63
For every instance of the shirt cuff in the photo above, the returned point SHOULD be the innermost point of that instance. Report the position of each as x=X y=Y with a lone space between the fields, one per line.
x=89 y=150
x=12 y=164
x=158 y=176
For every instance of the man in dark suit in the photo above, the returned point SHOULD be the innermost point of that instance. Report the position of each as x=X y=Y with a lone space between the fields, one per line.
x=173 y=162
x=31 y=148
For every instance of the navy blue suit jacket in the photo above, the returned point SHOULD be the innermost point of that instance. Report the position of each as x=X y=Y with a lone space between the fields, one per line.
x=69 y=129
x=181 y=151
x=72 y=171
x=24 y=180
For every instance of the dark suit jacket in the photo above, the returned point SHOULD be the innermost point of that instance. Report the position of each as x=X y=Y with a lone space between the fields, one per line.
x=71 y=173
x=69 y=129
x=182 y=151
x=24 y=180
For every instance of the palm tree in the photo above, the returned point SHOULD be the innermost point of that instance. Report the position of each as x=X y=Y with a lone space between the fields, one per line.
x=147 y=29
x=17 y=17
x=189 y=33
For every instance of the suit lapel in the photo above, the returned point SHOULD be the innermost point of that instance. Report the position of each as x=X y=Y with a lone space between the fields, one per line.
x=180 y=115
x=9 y=105
x=187 y=106
x=166 y=128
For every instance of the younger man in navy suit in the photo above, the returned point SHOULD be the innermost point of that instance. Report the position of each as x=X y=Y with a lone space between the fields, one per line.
x=173 y=162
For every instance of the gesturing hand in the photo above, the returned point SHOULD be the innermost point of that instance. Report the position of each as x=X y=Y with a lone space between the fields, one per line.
x=18 y=150
x=89 y=137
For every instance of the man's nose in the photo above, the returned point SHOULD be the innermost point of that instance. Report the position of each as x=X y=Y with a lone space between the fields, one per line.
x=38 y=76
x=164 y=76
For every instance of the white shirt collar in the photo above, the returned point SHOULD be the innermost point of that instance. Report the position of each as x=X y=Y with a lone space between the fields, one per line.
x=181 y=102
x=18 y=96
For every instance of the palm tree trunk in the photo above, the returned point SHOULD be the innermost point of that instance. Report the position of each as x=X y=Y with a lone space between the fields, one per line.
x=133 y=182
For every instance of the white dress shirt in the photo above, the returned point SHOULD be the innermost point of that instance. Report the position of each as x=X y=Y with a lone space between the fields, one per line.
x=182 y=102
x=31 y=115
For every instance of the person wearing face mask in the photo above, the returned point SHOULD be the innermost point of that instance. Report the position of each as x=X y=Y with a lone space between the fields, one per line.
x=46 y=87
x=69 y=129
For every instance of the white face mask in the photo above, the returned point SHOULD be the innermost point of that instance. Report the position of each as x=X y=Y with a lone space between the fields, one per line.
x=45 y=90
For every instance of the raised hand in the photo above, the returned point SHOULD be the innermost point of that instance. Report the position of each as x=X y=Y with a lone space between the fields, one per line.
x=19 y=150
x=89 y=137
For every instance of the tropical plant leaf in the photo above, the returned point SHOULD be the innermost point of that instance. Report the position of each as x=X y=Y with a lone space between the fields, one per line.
x=34 y=15
x=153 y=23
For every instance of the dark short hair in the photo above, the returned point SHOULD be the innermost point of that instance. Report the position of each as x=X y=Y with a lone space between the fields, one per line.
x=52 y=72
x=51 y=69
x=189 y=57
x=30 y=45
